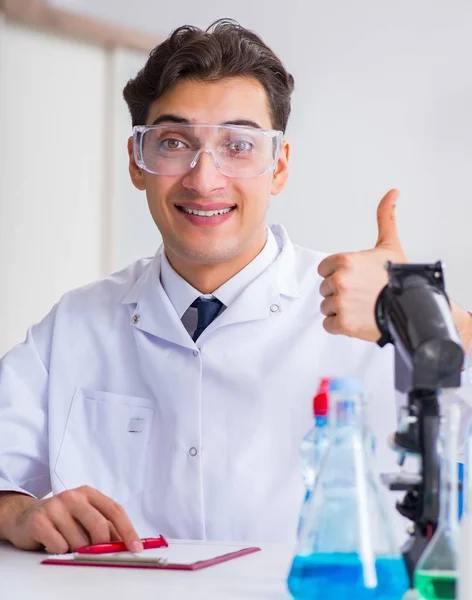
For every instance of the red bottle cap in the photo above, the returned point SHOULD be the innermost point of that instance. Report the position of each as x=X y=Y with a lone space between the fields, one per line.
x=320 y=401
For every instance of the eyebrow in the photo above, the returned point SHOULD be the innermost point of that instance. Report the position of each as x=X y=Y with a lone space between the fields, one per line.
x=170 y=118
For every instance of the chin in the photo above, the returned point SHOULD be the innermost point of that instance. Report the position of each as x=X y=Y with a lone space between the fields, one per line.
x=209 y=254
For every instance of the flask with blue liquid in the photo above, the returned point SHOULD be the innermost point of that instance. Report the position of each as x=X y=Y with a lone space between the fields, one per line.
x=346 y=548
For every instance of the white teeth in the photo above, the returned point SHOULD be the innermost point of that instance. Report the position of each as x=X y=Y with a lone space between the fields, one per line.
x=206 y=213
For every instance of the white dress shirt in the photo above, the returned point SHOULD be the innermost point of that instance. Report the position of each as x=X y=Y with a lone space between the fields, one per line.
x=182 y=294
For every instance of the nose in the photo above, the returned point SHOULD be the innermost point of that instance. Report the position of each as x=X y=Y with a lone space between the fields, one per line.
x=203 y=176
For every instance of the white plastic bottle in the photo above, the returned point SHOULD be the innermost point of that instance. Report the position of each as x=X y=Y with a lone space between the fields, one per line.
x=315 y=442
x=464 y=584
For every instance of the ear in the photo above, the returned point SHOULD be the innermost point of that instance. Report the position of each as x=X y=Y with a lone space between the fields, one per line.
x=135 y=172
x=281 y=170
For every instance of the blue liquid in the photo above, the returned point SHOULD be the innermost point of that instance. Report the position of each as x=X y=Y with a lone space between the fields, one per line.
x=339 y=576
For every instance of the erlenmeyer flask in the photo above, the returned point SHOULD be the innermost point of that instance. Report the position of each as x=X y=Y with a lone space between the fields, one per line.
x=346 y=548
x=436 y=572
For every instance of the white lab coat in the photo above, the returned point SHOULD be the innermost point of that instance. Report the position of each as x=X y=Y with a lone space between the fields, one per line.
x=194 y=440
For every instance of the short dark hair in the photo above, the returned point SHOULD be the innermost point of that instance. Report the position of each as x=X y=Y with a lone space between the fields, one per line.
x=225 y=49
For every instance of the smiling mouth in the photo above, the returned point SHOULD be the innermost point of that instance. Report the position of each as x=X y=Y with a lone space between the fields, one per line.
x=205 y=213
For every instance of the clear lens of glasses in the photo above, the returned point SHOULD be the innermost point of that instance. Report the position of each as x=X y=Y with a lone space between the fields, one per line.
x=174 y=149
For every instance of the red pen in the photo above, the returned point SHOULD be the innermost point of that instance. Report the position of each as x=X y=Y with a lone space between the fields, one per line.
x=148 y=543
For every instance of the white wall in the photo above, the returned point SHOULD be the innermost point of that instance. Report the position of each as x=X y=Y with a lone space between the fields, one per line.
x=132 y=231
x=383 y=99
x=52 y=175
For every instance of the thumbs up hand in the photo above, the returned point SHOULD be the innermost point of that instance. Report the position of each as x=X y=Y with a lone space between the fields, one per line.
x=352 y=281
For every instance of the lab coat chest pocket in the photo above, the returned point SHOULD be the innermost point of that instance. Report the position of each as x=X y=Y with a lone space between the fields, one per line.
x=105 y=443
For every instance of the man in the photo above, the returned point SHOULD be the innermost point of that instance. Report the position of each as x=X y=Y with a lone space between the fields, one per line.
x=172 y=397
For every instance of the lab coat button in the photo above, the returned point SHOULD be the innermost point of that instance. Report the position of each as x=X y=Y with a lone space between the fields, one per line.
x=274 y=308
x=193 y=451
x=136 y=319
x=195 y=353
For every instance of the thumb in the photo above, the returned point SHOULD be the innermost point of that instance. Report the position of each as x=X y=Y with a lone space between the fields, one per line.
x=387 y=221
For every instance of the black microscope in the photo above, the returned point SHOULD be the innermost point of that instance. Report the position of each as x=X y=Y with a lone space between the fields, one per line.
x=413 y=313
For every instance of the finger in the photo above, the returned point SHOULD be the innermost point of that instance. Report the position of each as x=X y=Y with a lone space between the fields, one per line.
x=329 y=265
x=327 y=287
x=114 y=536
x=387 y=221
x=118 y=517
x=332 y=325
x=72 y=531
x=43 y=533
x=52 y=540
x=328 y=307
x=93 y=522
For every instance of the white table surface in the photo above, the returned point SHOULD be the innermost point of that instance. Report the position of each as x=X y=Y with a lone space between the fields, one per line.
x=257 y=576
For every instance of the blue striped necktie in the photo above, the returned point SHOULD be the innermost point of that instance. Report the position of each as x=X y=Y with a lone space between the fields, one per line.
x=207 y=308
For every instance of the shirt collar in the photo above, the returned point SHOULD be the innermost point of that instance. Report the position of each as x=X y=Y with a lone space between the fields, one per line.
x=182 y=294
x=231 y=289
x=285 y=267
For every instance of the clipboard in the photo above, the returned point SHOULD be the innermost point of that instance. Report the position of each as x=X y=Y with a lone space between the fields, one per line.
x=180 y=556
